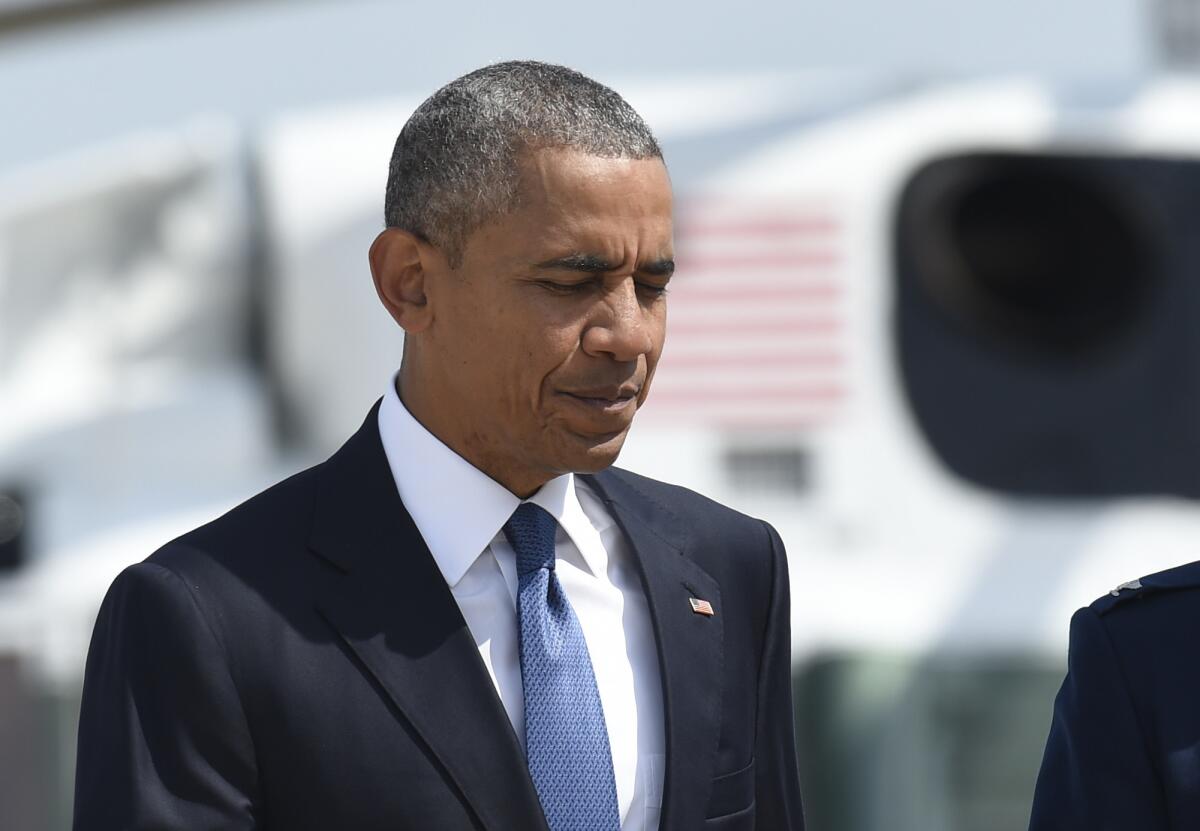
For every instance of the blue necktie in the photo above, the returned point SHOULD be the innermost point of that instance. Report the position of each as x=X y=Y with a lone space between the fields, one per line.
x=566 y=740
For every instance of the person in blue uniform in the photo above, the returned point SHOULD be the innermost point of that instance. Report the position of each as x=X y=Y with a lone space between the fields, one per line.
x=1124 y=745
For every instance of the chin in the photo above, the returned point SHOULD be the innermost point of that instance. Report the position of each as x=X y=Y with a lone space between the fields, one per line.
x=592 y=456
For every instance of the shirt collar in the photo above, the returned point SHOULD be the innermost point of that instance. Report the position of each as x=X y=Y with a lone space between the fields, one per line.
x=457 y=508
x=560 y=498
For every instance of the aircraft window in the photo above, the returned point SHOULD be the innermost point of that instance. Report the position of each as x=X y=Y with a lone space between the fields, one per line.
x=947 y=742
x=768 y=469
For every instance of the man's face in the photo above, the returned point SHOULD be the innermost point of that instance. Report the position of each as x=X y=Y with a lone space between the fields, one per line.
x=542 y=344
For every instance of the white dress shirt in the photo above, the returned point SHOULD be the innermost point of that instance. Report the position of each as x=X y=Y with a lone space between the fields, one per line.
x=460 y=513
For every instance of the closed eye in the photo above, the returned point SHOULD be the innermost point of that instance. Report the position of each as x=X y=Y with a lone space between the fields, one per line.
x=652 y=289
x=567 y=288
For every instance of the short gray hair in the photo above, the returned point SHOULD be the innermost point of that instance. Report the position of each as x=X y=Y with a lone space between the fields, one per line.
x=456 y=162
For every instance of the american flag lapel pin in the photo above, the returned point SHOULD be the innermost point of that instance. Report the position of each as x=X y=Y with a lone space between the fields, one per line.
x=701 y=607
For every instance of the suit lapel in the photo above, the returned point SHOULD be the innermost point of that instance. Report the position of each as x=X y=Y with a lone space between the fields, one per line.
x=690 y=646
x=392 y=608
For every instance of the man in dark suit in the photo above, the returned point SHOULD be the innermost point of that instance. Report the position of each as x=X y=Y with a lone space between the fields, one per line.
x=1124 y=746
x=465 y=618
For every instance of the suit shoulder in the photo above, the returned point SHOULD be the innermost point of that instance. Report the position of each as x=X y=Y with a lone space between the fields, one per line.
x=266 y=521
x=1146 y=593
x=692 y=516
x=684 y=502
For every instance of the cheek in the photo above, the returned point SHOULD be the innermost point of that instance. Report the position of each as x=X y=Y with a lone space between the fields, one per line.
x=658 y=334
x=527 y=366
x=555 y=360
x=652 y=357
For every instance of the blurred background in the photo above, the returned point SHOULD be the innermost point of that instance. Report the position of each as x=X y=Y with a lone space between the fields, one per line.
x=937 y=318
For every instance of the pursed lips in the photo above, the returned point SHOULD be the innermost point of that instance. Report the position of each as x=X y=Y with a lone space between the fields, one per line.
x=606 y=399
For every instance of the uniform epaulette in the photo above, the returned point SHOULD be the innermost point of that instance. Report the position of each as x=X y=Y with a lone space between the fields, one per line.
x=1173 y=579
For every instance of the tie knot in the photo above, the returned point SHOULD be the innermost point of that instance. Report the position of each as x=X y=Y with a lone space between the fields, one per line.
x=530 y=531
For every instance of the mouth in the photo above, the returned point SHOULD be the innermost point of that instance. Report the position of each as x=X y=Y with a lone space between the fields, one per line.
x=612 y=401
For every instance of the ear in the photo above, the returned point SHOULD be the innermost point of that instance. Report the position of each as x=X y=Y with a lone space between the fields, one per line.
x=400 y=267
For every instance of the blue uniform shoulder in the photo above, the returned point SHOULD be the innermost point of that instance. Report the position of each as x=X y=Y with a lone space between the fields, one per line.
x=1136 y=592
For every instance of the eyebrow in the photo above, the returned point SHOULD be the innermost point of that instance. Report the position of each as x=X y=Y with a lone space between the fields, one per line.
x=595 y=264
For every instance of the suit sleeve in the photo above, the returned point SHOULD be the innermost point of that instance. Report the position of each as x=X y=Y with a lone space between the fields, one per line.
x=163 y=741
x=777 y=780
x=1096 y=772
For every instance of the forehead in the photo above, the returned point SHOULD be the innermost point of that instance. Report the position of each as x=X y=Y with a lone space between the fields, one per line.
x=571 y=183
x=570 y=202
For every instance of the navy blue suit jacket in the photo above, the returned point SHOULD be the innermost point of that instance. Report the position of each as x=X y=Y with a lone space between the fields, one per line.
x=1124 y=746
x=300 y=663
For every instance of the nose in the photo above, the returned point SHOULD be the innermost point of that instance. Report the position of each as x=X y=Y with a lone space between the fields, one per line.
x=622 y=328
